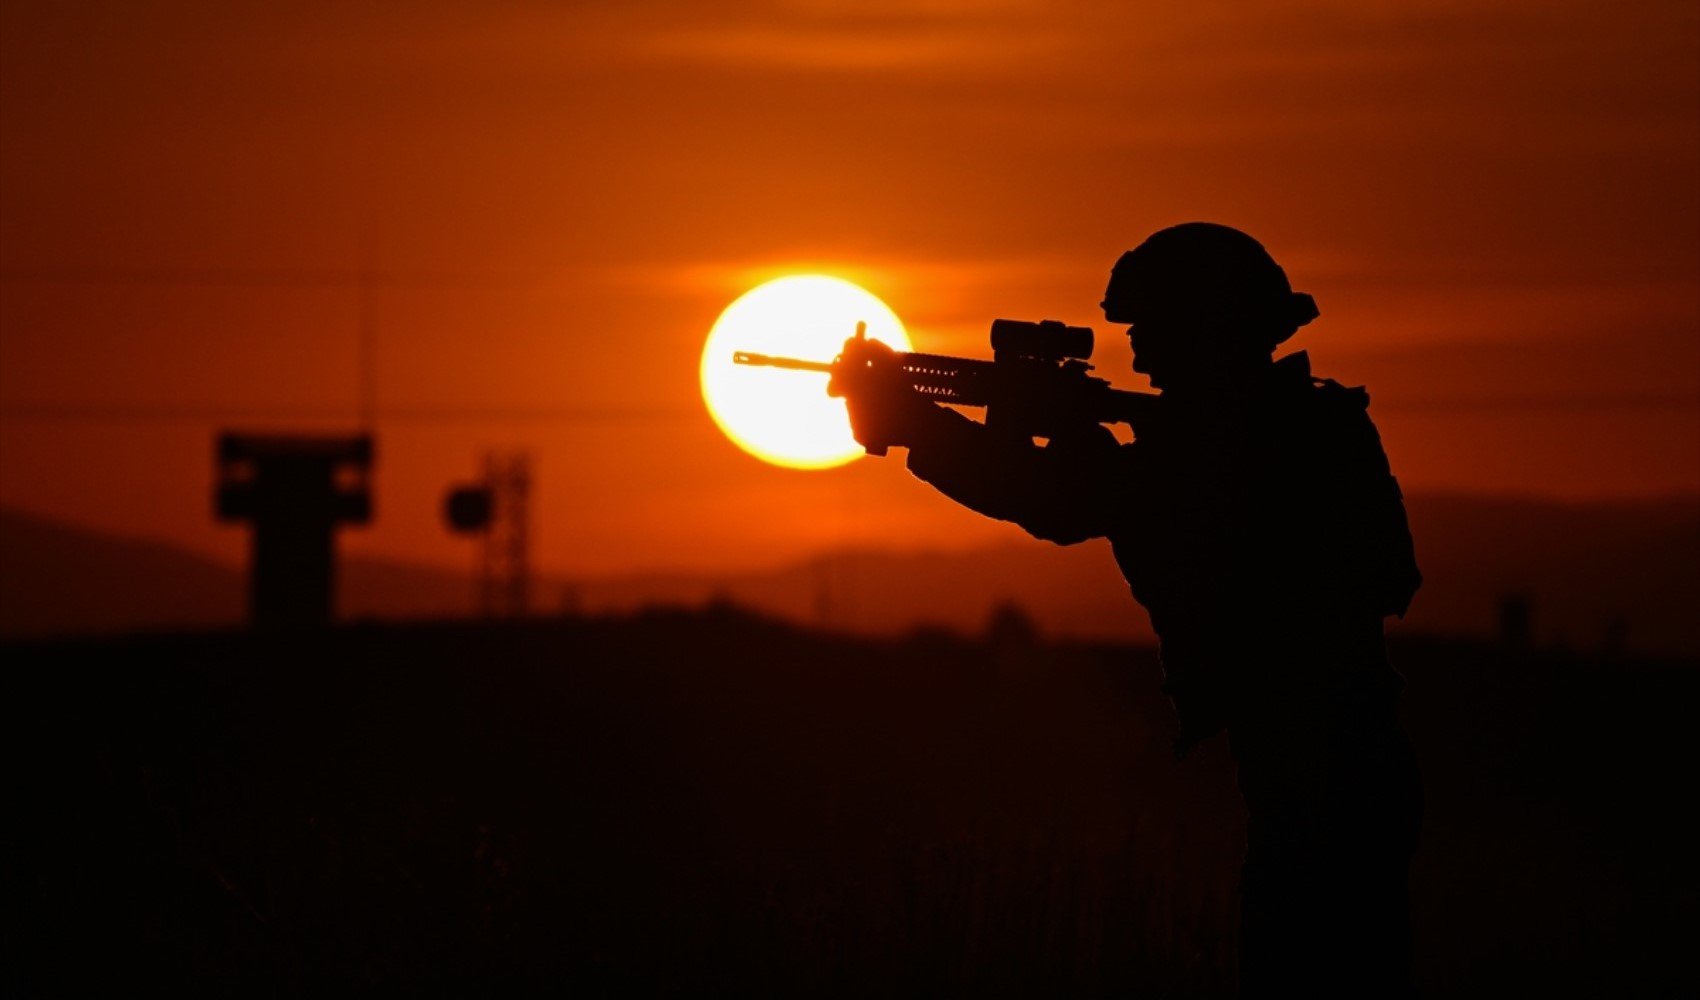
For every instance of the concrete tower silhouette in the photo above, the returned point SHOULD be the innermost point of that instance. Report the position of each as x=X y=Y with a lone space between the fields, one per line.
x=294 y=491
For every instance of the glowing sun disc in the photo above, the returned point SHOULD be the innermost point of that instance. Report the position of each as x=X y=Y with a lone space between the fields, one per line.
x=780 y=416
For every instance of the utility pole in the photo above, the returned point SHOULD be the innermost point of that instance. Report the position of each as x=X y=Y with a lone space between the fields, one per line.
x=496 y=509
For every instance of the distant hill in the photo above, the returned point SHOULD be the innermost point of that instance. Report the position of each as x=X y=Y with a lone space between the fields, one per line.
x=1592 y=575
x=56 y=579
x=1074 y=591
x=1587 y=571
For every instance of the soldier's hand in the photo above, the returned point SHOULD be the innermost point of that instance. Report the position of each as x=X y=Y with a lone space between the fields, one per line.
x=885 y=409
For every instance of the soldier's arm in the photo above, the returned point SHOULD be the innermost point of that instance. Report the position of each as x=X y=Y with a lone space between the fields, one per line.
x=1063 y=493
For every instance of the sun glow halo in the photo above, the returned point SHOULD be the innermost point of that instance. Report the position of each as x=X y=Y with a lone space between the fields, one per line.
x=786 y=417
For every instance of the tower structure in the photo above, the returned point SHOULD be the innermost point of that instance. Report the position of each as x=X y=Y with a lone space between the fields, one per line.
x=294 y=490
x=496 y=509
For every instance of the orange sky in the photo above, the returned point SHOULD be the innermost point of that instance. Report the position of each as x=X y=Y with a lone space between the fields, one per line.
x=1494 y=205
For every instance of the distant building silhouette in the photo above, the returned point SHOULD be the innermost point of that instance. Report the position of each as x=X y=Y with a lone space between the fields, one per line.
x=294 y=490
x=1009 y=626
x=572 y=600
x=1615 y=640
x=1516 y=621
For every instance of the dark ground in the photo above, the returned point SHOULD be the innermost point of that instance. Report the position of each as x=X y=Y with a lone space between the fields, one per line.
x=709 y=803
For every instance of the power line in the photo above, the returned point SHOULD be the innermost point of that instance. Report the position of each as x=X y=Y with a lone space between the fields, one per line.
x=270 y=277
x=1515 y=404
x=97 y=413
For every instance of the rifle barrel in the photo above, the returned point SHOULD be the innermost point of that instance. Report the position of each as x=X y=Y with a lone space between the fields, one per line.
x=770 y=361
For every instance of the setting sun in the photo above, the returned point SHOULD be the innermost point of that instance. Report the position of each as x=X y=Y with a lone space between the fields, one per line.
x=786 y=417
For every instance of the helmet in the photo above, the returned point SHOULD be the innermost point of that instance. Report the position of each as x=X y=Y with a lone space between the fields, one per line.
x=1202 y=272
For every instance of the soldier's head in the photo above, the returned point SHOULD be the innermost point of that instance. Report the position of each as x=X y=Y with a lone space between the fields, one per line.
x=1205 y=302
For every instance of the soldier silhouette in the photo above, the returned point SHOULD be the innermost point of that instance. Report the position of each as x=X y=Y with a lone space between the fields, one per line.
x=1256 y=519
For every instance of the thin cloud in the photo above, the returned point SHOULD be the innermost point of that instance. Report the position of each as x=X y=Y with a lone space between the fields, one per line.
x=813 y=48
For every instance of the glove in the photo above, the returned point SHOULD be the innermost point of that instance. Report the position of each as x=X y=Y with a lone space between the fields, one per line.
x=885 y=409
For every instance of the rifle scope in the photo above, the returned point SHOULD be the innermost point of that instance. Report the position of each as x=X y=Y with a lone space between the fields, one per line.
x=1049 y=340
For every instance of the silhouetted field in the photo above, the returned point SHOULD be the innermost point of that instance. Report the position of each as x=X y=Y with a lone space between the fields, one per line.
x=689 y=804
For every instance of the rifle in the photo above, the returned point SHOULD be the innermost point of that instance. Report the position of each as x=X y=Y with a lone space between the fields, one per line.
x=1036 y=384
